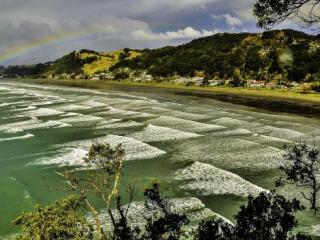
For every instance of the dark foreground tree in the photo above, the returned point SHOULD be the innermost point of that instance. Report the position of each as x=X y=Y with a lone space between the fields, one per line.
x=163 y=224
x=59 y=221
x=272 y=12
x=301 y=166
x=266 y=217
x=215 y=229
x=121 y=228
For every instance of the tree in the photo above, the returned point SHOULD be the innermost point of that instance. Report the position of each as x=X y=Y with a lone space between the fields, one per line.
x=237 y=79
x=215 y=229
x=102 y=178
x=268 y=216
x=301 y=166
x=59 y=221
x=164 y=224
x=121 y=76
x=272 y=12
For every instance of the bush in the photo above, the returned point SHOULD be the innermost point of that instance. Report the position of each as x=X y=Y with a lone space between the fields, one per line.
x=59 y=221
x=121 y=76
x=266 y=217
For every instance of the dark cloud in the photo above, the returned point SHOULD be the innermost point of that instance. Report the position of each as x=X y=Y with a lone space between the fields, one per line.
x=113 y=24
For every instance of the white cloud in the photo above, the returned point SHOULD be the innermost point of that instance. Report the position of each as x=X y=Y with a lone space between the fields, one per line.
x=230 y=20
x=187 y=33
x=112 y=24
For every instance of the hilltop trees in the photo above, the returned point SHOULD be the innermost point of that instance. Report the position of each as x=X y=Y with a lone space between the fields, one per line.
x=272 y=12
x=301 y=167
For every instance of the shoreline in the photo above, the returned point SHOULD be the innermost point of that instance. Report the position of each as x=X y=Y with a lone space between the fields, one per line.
x=275 y=100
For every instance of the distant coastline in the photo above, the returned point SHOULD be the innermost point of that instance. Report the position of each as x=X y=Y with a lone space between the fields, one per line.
x=275 y=100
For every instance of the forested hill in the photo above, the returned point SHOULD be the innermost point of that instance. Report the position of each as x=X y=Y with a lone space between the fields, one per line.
x=282 y=54
x=291 y=54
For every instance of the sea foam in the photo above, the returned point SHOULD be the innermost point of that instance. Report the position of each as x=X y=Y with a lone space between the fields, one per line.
x=138 y=212
x=153 y=133
x=42 y=112
x=17 y=138
x=74 y=152
x=206 y=179
x=182 y=124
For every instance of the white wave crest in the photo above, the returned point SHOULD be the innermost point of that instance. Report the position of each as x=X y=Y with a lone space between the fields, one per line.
x=182 y=124
x=116 y=124
x=76 y=151
x=209 y=180
x=42 y=112
x=154 y=133
x=17 y=138
x=137 y=214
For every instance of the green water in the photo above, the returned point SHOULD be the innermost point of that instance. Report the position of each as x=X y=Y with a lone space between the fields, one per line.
x=38 y=135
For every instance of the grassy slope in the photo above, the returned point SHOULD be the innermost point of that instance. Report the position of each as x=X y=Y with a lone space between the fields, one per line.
x=105 y=61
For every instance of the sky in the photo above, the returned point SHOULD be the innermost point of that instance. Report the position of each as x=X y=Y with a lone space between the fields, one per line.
x=33 y=31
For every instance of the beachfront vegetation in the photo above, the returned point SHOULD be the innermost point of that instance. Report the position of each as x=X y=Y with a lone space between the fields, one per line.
x=268 y=216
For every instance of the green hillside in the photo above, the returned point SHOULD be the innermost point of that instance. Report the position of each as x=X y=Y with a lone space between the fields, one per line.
x=284 y=54
x=280 y=55
x=85 y=62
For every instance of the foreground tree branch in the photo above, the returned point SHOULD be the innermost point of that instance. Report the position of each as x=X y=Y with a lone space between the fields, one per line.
x=301 y=166
x=273 y=12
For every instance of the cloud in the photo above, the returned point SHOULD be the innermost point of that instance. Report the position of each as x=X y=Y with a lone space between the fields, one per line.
x=187 y=33
x=114 y=24
x=230 y=20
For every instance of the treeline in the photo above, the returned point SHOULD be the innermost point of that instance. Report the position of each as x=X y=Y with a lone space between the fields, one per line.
x=71 y=63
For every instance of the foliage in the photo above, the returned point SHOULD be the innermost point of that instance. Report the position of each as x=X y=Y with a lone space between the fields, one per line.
x=301 y=167
x=215 y=229
x=261 y=57
x=2 y=68
x=315 y=87
x=102 y=178
x=59 y=221
x=164 y=223
x=280 y=54
x=266 y=217
x=25 y=70
x=121 y=228
x=70 y=63
x=121 y=76
x=272 y=12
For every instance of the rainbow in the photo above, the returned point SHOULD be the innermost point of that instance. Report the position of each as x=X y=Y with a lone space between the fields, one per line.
x=16 y=51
